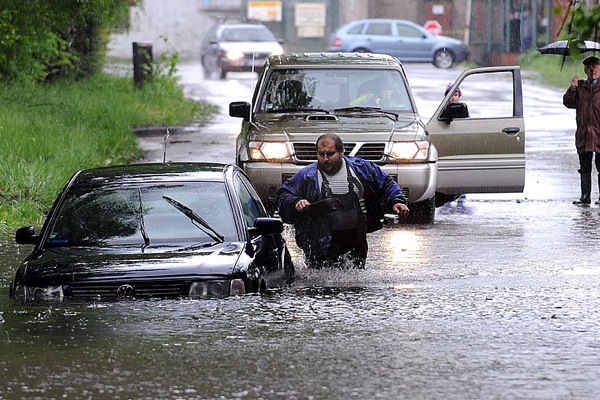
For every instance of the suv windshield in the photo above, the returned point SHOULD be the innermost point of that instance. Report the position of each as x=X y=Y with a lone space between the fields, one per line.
x=329 y=89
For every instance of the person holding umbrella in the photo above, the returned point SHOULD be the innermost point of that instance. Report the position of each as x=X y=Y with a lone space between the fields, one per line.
x=584 y=96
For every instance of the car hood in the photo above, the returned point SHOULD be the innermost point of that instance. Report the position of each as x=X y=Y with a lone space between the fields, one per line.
x=378 y=126
x=259 y=47
x=448 y=40
x=65 y=265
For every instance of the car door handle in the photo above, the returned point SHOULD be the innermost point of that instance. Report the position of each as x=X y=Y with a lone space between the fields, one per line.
x=511 y=131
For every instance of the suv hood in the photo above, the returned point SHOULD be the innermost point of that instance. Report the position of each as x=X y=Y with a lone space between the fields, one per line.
x=311 y=124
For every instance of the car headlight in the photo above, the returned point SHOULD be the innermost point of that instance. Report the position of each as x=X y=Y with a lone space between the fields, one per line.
x=217 y=288
x=410 y=151
x=49 y=293
x=269 y=151
x=234 y=55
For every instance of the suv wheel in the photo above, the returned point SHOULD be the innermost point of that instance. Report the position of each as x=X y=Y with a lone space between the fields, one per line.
x=422 y=212
x=443 y=59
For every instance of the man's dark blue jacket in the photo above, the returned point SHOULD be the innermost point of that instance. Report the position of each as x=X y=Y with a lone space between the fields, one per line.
x=380 y=192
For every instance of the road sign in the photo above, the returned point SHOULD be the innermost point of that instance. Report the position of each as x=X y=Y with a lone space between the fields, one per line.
x=434 y=27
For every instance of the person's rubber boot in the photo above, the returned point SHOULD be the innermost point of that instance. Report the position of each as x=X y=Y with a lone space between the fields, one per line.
x=586 y=190
x=598 y=201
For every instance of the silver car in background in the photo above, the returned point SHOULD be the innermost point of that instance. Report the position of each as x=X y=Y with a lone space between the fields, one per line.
x=403 y=39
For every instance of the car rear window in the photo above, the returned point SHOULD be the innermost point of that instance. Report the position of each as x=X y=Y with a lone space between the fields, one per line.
x=356 y=30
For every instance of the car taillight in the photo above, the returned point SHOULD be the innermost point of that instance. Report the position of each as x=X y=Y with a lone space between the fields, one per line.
x=337 y=43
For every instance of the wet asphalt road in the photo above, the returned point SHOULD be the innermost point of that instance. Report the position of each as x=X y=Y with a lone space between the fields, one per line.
x=499 y=299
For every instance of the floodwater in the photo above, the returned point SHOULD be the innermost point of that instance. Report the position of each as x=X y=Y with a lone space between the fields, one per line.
x=499 y=299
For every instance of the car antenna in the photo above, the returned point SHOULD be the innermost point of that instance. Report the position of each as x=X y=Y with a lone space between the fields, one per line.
x=165 y=148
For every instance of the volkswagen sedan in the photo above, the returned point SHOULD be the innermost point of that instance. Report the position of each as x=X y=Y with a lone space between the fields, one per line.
x=180 y=230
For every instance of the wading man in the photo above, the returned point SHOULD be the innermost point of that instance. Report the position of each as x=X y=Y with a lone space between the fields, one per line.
x=335 y=202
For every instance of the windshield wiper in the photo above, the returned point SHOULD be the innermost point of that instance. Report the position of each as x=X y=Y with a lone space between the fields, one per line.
x=369 y=109
x=142 y=224
x=196 y=219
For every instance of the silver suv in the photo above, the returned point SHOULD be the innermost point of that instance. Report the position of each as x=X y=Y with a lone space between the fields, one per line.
x=366 y=99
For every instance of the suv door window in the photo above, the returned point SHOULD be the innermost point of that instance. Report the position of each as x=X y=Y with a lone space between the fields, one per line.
x=485 y=152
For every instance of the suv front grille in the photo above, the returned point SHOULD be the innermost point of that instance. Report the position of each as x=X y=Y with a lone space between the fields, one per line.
x=368 y=151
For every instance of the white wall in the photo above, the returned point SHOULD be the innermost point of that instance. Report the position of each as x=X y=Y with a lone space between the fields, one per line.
x=183 y=22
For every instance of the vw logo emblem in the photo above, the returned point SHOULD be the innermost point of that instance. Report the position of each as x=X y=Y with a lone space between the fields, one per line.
x=125 y=292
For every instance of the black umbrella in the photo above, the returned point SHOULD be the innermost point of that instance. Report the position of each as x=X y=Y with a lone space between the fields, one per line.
x=562 y=48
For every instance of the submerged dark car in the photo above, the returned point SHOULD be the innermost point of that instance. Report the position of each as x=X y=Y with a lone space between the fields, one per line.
x=154 y=231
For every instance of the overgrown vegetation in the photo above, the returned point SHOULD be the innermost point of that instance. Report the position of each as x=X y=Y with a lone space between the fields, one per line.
x=47 y=132
x=48 y=39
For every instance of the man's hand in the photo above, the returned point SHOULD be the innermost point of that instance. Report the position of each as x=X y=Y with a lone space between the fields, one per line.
x=574 y=82
x=302 y=205
x=401 y=209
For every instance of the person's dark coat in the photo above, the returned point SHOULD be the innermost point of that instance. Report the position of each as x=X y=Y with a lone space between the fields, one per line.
x=380 y=193
x=586 y=101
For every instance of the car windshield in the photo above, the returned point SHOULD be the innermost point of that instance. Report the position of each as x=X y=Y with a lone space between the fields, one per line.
x=309 y=89
x=139 y=215
x=248 y=34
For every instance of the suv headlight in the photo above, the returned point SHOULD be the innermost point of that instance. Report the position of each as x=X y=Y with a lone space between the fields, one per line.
x=269 y=151
x=410 y=151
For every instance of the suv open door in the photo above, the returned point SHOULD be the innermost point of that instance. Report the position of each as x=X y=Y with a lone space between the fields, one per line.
x=481 y=147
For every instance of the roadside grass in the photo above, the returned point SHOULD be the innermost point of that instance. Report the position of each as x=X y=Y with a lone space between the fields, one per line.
x=48 y=132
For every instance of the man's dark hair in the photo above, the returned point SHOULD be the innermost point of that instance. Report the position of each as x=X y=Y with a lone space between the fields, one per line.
x=339 y=145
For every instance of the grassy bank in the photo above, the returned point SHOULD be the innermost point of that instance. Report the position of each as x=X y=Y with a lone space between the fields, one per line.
x=47 y=132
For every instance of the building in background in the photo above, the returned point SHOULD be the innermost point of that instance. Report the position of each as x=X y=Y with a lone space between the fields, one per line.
x=494 y=29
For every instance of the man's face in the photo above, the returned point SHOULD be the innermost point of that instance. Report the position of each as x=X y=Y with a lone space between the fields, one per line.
x=592 y=71
x=328 y=158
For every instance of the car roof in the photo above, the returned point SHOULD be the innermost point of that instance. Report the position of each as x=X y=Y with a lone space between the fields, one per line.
x=152 y=172
x=332 y=58
x=383 y=20
x=242 y=25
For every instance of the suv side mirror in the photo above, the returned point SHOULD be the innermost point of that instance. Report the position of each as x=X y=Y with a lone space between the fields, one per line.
x=240 y=109
x=454 y=110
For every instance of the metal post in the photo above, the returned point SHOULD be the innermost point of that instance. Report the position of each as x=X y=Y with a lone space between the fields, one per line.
x=142 y=63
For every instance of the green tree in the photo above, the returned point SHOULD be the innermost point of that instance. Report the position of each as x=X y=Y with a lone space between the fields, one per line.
x=584 y=24
x=46 y=39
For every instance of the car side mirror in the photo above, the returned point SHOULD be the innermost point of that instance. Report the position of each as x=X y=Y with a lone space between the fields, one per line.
x=452 y=111
x=240 y=109
x=266 y=226
x=26 y=235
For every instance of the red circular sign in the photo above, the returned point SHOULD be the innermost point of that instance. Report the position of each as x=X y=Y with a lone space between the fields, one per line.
x=433 y=27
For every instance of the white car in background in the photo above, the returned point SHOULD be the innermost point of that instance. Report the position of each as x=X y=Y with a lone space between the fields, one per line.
x=237 y=48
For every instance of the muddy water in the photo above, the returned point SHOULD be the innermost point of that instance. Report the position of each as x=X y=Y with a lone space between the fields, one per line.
x=496 y=301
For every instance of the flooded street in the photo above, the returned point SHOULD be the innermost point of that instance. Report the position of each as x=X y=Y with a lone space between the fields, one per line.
x=499 y=299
